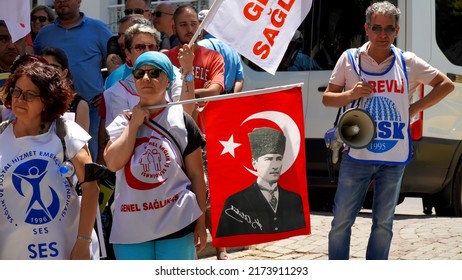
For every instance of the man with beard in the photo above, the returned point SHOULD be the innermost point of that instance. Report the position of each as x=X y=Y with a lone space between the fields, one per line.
x=84 y=40
x=208 y=69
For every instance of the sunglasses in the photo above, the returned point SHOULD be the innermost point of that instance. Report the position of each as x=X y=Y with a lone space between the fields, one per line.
x=39 y=18
x=159 y=14
x=377 y=29
x=153 y=73
x=135 y=11
x=143 y=47
x=28 y=95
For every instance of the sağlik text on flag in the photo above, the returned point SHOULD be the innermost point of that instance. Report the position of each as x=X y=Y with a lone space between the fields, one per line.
x=260 y=30
x=256 y=168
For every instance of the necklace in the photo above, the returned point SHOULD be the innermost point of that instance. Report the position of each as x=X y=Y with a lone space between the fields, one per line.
x=42 y=128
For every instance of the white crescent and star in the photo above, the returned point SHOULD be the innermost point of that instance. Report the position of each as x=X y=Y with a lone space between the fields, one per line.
x=288 y=127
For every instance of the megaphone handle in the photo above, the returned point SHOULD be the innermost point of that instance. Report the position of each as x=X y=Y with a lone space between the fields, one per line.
x=330 y=166
x=359 y=102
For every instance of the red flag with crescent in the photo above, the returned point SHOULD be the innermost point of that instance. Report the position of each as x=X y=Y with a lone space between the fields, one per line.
x=244 y=175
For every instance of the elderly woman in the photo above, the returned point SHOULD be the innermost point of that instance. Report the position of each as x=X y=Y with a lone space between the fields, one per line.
x=43 y=217
x=159 y=202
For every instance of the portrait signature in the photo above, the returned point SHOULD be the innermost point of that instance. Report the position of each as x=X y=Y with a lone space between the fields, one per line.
x=242 y=217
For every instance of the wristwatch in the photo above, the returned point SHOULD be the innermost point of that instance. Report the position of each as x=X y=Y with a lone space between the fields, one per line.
x=189 y=77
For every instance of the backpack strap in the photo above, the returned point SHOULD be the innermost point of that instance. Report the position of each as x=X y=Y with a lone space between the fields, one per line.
x=4 y=124
x=61 y=131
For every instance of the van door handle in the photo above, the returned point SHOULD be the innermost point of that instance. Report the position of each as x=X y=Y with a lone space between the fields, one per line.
x=322 y=88
x=456 y=78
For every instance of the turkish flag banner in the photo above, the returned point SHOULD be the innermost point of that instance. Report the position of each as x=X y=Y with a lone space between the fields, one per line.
x=256 y=168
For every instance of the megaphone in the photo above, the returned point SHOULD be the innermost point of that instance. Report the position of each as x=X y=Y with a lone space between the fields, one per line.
x=355 y=128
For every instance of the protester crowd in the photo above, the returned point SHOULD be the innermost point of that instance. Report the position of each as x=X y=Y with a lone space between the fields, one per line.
x=113 y=126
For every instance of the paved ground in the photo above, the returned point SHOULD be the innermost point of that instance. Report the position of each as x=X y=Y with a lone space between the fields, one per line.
x=416 y=237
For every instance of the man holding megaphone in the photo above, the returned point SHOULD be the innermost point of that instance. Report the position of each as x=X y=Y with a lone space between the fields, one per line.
x=373 y=84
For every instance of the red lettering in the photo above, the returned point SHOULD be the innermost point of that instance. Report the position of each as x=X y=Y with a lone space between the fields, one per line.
x=129 y=207
x=381 y=86
x=287 y=6
x=270 y=34
x=391 y=85
x=387 y=86
x=278 y=18
x=252 y=11
x=401 y=90
x=261 y=49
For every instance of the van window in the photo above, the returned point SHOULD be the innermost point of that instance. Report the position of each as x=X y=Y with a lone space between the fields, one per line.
x=448 y=29
x=331 y=27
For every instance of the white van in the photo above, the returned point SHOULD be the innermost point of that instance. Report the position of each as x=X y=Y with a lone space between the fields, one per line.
x=429 y=28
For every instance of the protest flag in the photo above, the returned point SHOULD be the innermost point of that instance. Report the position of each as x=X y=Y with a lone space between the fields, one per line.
x=16 y=15
x=231 y=167
x=260 y=30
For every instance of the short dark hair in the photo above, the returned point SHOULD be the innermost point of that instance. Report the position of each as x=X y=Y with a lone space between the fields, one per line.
x=183 y=8
x=58 y=54
x=148 y=2
x=55 y=93
x=25 y=59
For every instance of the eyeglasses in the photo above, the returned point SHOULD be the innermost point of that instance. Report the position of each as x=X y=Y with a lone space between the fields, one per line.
x=159 y=14
x=143 y=47
x=27 y=95
x=153 y=73
x=377 y=29
x=134 y=11
x=39 y=18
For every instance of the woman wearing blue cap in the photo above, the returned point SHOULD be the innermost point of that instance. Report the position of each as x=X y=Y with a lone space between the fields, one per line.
x=160 y=189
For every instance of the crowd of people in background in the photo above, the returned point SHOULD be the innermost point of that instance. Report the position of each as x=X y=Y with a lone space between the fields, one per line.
x=69 y=126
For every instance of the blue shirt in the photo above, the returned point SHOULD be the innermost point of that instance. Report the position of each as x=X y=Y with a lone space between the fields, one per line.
x=122 y=72
x=303 y=62
x=233 y=64
x=86 y=48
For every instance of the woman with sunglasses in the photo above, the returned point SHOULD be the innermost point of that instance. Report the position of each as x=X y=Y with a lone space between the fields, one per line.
x=159 y=201
x=43 y=217
x=40 y=16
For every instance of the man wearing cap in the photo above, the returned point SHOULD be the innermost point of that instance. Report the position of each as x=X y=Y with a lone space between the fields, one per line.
x=264 y=206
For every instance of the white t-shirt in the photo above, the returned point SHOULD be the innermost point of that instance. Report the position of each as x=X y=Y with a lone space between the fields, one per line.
x=153 y=196
x=40 y=210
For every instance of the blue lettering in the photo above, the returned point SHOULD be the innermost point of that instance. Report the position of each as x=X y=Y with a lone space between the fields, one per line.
x=384 y=130
x=387 y=130
x=33 y=254
x=43 y=250
x=398 y=130
x=54 y=251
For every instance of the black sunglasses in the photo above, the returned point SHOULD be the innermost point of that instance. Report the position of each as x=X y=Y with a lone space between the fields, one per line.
x=377 y=29
x=153 y=73
x=39 y=18
x=159 y=14
x=136 y=11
